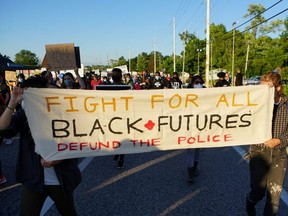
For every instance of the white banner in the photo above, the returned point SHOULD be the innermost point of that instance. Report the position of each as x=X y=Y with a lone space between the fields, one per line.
x=81 y=123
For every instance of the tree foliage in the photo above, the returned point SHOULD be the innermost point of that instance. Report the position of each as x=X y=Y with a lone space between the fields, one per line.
x=27 y=58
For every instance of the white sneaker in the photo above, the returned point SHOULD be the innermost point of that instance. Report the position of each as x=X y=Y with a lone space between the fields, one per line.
x=9 y=141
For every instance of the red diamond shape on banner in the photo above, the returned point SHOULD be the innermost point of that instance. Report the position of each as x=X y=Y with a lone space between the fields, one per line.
x=149 y=125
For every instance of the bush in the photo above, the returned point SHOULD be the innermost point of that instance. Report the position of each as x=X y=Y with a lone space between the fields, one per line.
x=285 y=89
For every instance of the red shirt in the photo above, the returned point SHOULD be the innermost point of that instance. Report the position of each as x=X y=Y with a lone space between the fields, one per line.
x=94 y=83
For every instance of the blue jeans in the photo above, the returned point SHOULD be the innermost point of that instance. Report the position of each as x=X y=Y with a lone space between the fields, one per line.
x=193 y=156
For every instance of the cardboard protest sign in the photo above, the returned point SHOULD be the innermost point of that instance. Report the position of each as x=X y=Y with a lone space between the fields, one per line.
x=77 y=57
x=10 y=75
x=61 y=57
x=81 y=123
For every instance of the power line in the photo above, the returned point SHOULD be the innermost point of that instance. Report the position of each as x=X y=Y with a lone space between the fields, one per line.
x=264 y=21
x=193 y=14
x=256 y=15
x=225 y=38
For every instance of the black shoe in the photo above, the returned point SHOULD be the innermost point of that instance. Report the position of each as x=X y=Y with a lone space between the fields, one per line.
x=195 y=172
x=120 y=164
x=250 y=207
x=190 y=174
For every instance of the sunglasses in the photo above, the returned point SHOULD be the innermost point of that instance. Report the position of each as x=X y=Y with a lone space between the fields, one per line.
x=198 y=82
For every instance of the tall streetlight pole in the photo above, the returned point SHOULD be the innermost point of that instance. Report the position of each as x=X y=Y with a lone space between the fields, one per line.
x=207 y=43
x=199 y=50
x=247 y=56
x=154 y=55
x=184 y=51
x=174 y=43
x=211 y=65
x=129 y=61
x=233 y=52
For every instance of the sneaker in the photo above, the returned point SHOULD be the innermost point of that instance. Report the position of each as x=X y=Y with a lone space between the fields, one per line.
x=120 y=164
x=9 y=141
x=2 y=180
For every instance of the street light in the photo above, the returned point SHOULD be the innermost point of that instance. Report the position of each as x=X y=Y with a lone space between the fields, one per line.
x=199 y=50
x=233 y=50
x=247 y=56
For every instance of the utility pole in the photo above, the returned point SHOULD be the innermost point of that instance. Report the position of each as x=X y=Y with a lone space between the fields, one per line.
x=129 y=61
x=184 y=51
x=211 y=65
x=174 y=43
x=247 y=56
x=207 y=43
x=233 y=52
x=199 y=50
x=154 y=55
x=211 y=46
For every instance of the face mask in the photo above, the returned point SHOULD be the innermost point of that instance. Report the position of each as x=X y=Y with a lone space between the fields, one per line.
x=157 y=77
x=20 y=80
x=68 y=82
x=198 y=85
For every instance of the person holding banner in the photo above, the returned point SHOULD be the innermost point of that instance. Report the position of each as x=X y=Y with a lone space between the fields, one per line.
x=194 y=153
x=117 y=80
x=40 y=178
x=268 y=161
x=69 y=81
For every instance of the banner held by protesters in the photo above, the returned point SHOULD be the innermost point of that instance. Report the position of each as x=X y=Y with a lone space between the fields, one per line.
x=81 y=123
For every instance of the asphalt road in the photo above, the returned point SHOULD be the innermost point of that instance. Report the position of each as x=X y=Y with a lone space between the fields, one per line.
x=151 y=184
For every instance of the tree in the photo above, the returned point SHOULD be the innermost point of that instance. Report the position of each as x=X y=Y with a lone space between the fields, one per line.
x=285 y=31
x=122 y=61
x=284 y=46
x=133 y=62
x=4 y=56
x=194 y=43
x=27 y=58
x=257 y=24
x=255 y=10
x=142 y=62
x=221 y=47
x=167 y=64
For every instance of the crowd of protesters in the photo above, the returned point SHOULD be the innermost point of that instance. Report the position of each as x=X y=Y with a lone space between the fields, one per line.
x=48 y=177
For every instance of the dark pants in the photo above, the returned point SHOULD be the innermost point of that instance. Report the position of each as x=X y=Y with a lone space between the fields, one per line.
x=31 y=202
x=267 y=173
